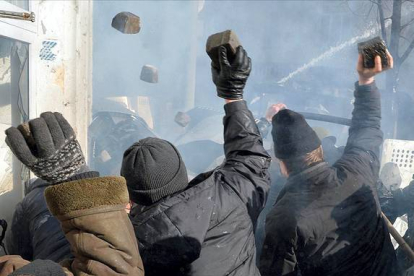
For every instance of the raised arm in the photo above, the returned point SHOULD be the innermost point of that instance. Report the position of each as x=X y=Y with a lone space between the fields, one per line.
x=365 y=135
x=247 y=162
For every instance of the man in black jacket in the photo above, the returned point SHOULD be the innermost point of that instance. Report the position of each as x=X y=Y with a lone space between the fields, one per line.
x=204 y=227
x=327 y=220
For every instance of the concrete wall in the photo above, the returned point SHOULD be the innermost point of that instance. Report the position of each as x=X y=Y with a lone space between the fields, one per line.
x=64 y=84
x=60 y=72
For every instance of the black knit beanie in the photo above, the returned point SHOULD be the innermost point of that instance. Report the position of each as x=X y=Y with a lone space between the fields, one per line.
x=153 y=169
x=292 y=135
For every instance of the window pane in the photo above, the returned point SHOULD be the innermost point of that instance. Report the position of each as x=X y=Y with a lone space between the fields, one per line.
x=14 y=104
x=24 y=4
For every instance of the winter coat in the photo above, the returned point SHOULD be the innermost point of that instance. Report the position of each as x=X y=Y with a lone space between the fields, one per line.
x=92 y=215
x=327 y=219
x=35 y=233
x=207 y=229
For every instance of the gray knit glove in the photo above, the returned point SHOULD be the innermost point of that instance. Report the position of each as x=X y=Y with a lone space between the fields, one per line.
x=47 y=146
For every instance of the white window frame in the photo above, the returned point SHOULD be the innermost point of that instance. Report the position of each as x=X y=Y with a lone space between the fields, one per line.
x=24 y=31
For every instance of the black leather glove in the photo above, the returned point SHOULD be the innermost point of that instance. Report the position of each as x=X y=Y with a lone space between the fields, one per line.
x=47 y=146
x=230 y=79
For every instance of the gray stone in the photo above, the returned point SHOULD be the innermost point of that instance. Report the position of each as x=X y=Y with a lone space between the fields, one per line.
x=149 y=74
x=182 y=119
x=227 y=39
x=127 y=23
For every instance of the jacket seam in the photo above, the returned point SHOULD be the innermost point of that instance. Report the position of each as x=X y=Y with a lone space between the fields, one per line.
x=218 y=223
x=239 y=265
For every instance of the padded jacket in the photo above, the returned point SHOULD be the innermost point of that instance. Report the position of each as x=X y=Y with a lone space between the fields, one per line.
x=208 y=229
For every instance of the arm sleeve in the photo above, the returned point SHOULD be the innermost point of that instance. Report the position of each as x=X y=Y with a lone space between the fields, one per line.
x=246 y=166
x=18 y=240
x=362 y=151
x=99 y=231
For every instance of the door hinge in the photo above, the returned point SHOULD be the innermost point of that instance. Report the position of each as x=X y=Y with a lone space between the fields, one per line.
x=27 y=16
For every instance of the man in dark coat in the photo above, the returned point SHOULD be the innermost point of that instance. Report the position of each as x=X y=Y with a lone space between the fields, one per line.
x=327 y=219
x=205 y=227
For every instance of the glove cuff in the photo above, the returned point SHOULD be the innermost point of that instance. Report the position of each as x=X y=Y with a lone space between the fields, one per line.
x=63 y=165
x=86 y=196
x=230 y=95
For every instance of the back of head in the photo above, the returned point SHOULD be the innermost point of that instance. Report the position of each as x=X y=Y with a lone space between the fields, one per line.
x=153 y=169
x=295 y=142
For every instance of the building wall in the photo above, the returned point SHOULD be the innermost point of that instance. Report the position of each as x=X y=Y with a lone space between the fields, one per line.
x=64 y=83
x=60 y=73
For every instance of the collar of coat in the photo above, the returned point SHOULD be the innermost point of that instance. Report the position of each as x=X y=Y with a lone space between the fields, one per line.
x=306 y=180
x=307 y=174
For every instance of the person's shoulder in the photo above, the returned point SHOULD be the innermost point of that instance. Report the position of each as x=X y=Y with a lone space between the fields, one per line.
x=197 y=193
x=34 y=201
x=35 y=185
x=354 y=163
x=180 y=213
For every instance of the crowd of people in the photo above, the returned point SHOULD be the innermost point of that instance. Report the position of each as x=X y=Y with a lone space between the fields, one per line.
x=326 y=219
